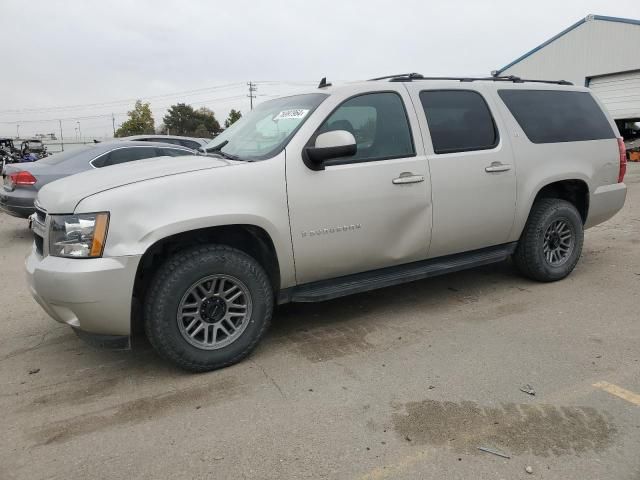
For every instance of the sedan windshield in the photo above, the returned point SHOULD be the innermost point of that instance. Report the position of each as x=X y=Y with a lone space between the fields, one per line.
x=267 y=129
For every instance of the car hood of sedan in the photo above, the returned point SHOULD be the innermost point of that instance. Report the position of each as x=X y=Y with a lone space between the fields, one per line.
x=62 y=196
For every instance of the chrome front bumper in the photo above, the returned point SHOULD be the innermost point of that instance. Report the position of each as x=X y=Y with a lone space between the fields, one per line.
x=90 y=295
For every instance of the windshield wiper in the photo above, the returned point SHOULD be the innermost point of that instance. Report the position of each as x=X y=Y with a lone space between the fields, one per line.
x=218 y=147
x=217 y=150
x=228 y=156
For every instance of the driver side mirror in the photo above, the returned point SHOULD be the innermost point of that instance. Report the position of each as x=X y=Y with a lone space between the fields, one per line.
x=334 y=144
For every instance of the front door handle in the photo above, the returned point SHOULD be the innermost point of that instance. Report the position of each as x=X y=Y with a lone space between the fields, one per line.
x=408 y=177
x=497 y=167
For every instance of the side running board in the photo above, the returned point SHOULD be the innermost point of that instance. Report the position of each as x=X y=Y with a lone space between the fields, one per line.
x=386 y=277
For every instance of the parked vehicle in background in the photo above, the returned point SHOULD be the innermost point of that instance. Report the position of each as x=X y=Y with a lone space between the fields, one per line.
x=315 y=196
x=33 y=146
x=8 y=152
x=21 y=182
x=189 y=142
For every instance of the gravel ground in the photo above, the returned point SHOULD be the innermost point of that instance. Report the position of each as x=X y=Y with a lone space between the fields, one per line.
x=401 y=383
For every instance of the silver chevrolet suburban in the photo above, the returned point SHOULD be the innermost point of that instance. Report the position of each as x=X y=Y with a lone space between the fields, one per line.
x=315 y=196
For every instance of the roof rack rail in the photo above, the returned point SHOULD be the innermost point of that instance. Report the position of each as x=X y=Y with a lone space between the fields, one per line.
x=410 y=77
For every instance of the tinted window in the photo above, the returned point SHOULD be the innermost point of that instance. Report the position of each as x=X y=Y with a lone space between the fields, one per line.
x=124 y=155
x=189 y=144
x=174 y=152
x=459 y=121
x=551 y=116
x=172 y=141
x=378 y=122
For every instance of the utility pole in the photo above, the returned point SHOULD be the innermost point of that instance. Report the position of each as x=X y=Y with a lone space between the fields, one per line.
x=79 y=131
x=252 y=88
x=17 y=131
x=113 y=122
x=61 y=137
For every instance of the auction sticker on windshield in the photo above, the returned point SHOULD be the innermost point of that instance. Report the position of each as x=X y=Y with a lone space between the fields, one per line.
x=292 y=114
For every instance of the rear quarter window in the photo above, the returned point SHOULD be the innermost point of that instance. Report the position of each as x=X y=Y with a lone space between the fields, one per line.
x=554 y=116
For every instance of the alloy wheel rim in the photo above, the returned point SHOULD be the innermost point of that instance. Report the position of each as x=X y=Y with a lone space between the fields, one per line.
x=558 y=242
x=214 y=312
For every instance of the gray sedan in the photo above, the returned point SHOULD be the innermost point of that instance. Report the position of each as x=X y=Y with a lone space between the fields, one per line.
x=21 y=181
x=189 y=142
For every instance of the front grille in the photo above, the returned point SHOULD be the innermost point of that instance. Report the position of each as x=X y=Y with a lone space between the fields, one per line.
x=41 y=218
x=41 y=215
x=39 y=241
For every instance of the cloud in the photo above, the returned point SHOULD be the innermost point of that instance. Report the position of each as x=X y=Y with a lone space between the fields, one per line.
x=77 y=52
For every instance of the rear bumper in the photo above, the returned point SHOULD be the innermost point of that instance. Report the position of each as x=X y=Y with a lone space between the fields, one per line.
x=91 y=295
x=17 y=203
x=605 y=202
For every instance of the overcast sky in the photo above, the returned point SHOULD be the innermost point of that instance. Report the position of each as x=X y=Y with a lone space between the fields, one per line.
x=70 y=53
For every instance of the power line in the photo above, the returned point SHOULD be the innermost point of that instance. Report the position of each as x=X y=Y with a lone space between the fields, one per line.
x=252 y=88
x=123 y=101
x=107 y=115
x=156 y=97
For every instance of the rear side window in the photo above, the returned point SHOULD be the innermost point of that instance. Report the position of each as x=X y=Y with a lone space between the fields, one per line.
x=174 y=152
x=124 y=155
x=172 y=141
x=553 y=116
x=459 y=121
x=189 y=144
x=379 y=123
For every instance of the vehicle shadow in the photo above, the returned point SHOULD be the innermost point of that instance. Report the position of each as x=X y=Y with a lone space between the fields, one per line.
x=436 y=293
x=326 y=329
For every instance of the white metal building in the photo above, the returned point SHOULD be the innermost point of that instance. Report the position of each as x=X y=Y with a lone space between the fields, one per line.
x=600 y=52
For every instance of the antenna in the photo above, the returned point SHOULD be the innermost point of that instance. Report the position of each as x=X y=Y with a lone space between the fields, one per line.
x=323 y=83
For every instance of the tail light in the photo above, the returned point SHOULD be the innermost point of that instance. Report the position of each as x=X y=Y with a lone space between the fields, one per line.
x=623 y=160
x=22 y=179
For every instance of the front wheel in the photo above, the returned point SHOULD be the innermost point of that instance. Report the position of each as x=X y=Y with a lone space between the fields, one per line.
x=208 y=307
x=551 y=243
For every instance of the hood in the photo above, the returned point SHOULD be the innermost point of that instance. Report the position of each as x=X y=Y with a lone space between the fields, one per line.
x=63 y=195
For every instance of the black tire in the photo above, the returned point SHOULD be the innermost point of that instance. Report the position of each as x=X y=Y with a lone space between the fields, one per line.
x=169 y=287
x=530 y=258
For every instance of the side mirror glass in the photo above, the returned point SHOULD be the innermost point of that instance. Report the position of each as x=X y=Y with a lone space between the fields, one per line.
x=334 y=144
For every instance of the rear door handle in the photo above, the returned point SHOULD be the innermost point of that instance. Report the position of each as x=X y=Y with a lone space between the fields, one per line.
x=408 y=177
x=497 y=167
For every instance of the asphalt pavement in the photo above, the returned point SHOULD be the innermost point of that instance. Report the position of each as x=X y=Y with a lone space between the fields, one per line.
x=403 y=383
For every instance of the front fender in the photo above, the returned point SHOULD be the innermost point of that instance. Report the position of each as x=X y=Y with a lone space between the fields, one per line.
x=143 y=213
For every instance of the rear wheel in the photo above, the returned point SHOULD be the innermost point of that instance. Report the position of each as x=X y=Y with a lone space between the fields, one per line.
x=551 y=243
x=208 y=307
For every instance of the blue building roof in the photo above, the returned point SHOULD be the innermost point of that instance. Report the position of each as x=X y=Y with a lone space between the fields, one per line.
x=567 y=30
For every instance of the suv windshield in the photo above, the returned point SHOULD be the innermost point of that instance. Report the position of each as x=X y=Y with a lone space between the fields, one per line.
x=265 y=131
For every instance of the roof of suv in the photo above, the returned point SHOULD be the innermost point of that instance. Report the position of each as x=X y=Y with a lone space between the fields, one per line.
x=510 y=82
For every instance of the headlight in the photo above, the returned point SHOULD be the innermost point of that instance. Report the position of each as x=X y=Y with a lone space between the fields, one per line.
x=78 y=236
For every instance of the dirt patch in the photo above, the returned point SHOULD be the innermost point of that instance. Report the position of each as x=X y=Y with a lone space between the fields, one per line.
x=329 y=342
x=541 y=430
x=91 y=391
x=136 y=411
x=497 y=311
